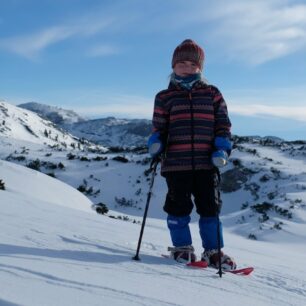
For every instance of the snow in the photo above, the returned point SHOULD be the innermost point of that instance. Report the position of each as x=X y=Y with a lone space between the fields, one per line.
x=55 y=250
x=39 y=188
x=56 y=253
x=21 y=124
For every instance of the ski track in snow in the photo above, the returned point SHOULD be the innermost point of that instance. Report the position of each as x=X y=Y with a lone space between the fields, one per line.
x=124 y=296
x=268 y=286
x=263 y=283
x=285 y=282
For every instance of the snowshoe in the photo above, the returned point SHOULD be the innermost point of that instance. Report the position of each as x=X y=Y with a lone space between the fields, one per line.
x=212 y=258
x=183 y=254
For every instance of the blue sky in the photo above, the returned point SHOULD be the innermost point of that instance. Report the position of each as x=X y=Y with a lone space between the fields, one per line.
x=104 y=58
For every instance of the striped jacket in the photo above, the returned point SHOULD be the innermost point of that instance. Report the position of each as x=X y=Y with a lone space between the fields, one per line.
x=190 y=120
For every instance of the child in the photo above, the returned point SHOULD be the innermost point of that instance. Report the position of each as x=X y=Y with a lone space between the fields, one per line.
x=191 y=132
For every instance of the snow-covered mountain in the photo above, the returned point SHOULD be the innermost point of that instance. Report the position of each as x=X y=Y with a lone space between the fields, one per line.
x=52 y=113
x=110 y=131
x=113 y=132
x=24 y=125
x=72 y=256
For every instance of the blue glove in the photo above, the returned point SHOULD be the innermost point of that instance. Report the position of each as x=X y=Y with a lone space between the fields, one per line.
x=155 y=145
x=223 y=148
x=223 y=143
x=219 y=158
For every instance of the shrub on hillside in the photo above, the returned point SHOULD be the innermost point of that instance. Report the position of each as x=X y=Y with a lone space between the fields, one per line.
x=51 y=174
x=252 y=237
x=2 y=185
x=34 y=164
x=265 y=178
x=71 y=156
x=99 y=158
x=19 y=158
x=61 y=165
x=264 y=207
x=124 y=202
x=121 y=159
x=87 y=190
x=101 y=208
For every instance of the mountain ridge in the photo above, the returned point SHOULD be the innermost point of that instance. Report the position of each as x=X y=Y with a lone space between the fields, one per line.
x=55 y=114
x=108 y=131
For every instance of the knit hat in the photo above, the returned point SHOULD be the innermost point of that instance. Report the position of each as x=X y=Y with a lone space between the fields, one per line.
x=188 y=50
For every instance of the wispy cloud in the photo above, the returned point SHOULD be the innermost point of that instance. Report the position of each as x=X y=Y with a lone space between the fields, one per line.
x=289 y=112
x=251 y=31
x=254 y=32
x=31 y=45
x=259 y=31
x=279 y=102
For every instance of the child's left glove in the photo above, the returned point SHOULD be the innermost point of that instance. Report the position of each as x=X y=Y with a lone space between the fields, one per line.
x=219 y=158
x=223 y=150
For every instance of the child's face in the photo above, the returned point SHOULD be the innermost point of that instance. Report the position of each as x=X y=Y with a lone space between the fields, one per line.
x=186 y=68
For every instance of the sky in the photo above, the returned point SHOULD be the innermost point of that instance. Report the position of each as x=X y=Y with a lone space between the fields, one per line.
x=103 y=58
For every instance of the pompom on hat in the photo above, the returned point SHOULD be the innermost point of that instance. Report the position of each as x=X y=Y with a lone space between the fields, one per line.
x=188 y=50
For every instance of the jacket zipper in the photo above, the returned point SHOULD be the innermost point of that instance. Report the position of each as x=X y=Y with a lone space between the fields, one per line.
x=192 y=131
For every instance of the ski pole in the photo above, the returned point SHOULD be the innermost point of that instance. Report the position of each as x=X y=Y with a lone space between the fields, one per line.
x=219 y=246
x=218 y=208
x=153 y=167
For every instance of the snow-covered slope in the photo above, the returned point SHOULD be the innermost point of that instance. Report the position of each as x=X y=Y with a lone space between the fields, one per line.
x=267 y=198
x=36 y=187
x=18 y=123
x=21 y=125
x=57 y=255
x=263 y=187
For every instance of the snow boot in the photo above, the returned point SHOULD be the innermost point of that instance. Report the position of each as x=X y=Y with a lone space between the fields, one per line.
x=212 y=258
x=183 y=254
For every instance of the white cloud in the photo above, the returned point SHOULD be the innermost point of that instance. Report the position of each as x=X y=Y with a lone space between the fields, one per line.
x=259 y=31
x=252 y=31
x=31 y=45
x=289 y=112
x=283 y=102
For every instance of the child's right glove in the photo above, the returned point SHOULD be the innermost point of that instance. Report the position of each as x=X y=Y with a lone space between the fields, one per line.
x=223 y=150
x=155 y=145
